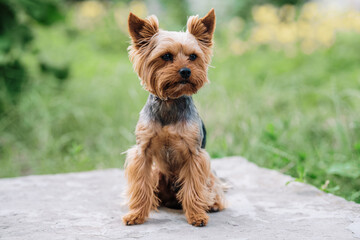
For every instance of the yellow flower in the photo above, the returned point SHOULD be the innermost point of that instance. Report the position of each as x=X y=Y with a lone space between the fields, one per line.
x=238 y=47
x=88 y=13
x=310 y=11
x=91 y=9
x=286 y=33
x=287 y=13
x=122 y=11
x=265 y=14
x=315 y=27
x=236 y=25
x=263 y=34
x=138 y=8
x=121 y=14
x=352 y=20
x=304 y=29
x=325 y=35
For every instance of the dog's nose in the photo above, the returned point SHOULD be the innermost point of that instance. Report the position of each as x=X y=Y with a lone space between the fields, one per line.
x=185 y=73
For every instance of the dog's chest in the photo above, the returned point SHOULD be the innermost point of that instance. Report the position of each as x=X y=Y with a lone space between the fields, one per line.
x=173 y=137
x=172 y=130
x=173 y=142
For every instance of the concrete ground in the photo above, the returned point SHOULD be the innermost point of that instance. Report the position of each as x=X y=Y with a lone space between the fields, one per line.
x=88 y=206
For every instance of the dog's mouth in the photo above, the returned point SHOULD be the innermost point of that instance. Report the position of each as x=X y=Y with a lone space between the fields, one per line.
x=181 y=87
x=184 y=82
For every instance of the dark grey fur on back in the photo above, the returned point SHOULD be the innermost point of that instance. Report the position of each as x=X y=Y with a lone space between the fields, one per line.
x=173 y=111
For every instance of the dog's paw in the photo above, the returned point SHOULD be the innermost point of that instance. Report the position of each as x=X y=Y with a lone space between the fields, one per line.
x=133 y=219
x=216 y=207
x=198 y=220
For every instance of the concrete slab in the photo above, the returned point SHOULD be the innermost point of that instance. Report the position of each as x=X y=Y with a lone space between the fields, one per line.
x=88 y=206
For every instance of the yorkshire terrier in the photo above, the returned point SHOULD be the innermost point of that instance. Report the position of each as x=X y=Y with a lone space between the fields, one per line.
x=169 y=166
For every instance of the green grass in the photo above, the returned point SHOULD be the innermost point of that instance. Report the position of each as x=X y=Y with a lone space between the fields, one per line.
x=299 y=115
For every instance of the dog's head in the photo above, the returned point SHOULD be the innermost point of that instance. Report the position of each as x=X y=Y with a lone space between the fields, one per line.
x=171 y=64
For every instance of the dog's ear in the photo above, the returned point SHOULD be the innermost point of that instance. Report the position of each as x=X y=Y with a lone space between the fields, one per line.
x=203 y=28
x=142 y=30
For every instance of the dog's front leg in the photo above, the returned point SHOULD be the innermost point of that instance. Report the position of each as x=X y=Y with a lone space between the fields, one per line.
x=141 y=186
x=194 y=193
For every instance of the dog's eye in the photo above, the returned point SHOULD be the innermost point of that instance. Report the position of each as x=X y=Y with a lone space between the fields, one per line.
x=167 y=57
x=192 y=57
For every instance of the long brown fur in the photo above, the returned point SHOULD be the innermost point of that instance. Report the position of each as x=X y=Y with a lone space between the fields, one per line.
x=167 y=164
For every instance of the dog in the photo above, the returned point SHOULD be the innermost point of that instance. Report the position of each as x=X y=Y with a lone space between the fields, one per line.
x=169 y=165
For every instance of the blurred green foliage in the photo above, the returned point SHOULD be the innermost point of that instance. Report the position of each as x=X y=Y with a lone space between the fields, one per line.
x=297 y=113
x=17 y=18
x=175 y=11
x=243 y=8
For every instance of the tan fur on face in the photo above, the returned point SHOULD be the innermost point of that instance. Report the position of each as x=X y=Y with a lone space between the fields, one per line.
x=149 y=44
